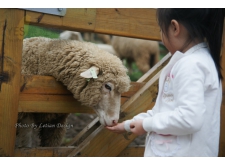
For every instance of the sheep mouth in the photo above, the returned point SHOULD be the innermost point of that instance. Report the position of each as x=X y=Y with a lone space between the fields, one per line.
x=103 y=122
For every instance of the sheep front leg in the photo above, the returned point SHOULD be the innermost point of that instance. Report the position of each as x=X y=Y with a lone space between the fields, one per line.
x=52 y=133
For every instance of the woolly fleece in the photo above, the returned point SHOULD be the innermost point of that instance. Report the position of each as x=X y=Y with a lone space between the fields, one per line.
x=66 y=59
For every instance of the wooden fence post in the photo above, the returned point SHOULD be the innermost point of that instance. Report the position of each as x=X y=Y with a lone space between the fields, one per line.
x=222 y=126
x=11 y=39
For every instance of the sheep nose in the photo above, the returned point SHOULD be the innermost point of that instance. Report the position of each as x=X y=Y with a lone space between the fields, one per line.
x=114 y=121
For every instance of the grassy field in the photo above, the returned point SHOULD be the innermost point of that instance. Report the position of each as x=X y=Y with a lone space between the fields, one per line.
x=35 y=31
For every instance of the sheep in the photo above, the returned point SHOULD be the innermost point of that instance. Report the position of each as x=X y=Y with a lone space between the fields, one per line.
x=106 y=39
x=95 y=77
x=72 y=35
x=103 y=38
x=144 y=53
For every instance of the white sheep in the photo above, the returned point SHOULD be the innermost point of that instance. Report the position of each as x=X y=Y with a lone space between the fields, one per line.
x=95 y=77
x=144 y=53
x=71 y=35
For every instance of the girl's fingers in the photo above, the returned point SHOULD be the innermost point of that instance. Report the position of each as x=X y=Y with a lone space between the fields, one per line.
x=110 y=128
x=115 y=129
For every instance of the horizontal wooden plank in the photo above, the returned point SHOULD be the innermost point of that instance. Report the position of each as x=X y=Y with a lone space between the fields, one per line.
x=137 y=23
x=45 y=94
x=75 y=19
x=47 y=85
x=129 y=22
x=42 y=85
x=43 y=151
x=133 y=151
x=53 y=104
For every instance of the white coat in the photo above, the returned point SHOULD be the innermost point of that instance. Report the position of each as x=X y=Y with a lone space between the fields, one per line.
x=185 y=120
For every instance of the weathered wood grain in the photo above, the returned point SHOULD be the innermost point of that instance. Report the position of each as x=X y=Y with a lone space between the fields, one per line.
x=138 y=23
x=45 y=85
x=133 y=151
x=43 y=152
x=11 y=27
x=45 y=94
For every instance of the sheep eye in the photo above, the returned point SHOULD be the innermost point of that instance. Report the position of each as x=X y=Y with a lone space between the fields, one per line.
x=108 y=87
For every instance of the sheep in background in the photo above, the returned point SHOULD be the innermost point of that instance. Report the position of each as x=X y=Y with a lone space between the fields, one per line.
x=95 y=77
x=91 y=37
x=106 y=39
x=71 y=35
x=144 y=53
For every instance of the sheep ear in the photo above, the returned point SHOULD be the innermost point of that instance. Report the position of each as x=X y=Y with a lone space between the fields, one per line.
x=92 y=72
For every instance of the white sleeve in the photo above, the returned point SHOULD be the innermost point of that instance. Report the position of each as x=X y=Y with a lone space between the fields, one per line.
x=140 y=116
x=188 y=115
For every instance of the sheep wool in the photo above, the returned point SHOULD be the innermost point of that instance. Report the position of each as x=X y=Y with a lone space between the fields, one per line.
x=66 y=59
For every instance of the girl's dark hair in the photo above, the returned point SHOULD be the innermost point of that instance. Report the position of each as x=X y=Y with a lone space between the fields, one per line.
x=205 y=24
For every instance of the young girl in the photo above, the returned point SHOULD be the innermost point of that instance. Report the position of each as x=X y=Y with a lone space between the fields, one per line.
x=185 y=120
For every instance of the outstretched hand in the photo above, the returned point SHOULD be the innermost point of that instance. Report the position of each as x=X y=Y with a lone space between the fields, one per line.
x=118 y=128
x=135 y=126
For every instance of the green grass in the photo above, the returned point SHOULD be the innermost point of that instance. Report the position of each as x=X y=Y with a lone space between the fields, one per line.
x=35 y=31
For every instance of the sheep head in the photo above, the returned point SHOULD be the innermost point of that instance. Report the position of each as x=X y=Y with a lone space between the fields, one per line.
x=103 y=96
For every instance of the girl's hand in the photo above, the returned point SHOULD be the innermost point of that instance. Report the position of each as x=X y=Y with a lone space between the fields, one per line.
x=119 y=128
x=137 y=128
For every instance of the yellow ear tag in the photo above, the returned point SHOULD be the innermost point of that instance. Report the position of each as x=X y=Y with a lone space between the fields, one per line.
x=93 y=73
